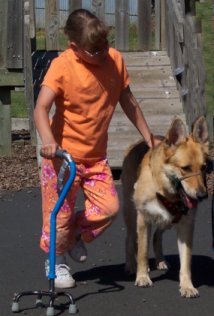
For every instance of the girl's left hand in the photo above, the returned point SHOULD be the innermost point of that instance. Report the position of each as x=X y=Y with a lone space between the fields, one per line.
x=154 y=141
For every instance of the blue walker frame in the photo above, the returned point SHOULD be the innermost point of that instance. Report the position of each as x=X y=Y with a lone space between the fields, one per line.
x=63 y=191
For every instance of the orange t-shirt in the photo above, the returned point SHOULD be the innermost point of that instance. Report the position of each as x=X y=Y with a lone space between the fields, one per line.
x=86 y=96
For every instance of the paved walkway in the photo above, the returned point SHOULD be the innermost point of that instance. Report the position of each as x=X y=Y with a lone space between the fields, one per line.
x=103 y=288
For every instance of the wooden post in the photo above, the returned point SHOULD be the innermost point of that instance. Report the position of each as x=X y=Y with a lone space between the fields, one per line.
x=32 y=25
x=28 y=71
x=51 y=24
x=98 y=8
x=5 y=119
x=122 y=25
x=3 y=33
x=144 y=24
x=157 y=25
x=5 y=122
x=15 y=34
x=163 y=25
x=74 y=5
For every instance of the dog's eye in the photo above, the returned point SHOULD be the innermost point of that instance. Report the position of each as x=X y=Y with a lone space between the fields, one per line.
x=187 y=169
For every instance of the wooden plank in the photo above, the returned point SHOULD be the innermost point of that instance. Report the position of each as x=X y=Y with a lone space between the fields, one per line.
x=158 y=106
x=176 y=16
x=74 y=5
x=5 y=122
x=144 y=24
x=10 y=78
x=3 y=33
x=143 y=68
x=52 y=24
x=144 y=54
x=157 y=25
x=120 y=123
x=155 y=93
x=28 y=72
x=153 y=82
x=15 y=34
x=139 y=59
x=163 y=24
x=147 y=73
x=121 y=24
x=32 y=25
x=98 y=8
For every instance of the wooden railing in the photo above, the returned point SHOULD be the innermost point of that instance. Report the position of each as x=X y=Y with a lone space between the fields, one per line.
x=189 y=42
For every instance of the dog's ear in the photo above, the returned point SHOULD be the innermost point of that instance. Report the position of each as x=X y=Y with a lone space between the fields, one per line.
x=177 y=132
x=200 y=130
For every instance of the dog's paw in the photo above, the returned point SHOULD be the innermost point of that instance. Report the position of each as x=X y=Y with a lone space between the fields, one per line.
x=189 y=292
x=162 y=265
x=144 y=281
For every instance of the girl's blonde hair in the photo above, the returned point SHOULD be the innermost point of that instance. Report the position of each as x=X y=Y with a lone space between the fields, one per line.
x=84 y=28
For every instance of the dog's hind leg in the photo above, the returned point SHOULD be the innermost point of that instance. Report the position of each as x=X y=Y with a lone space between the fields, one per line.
x=185 y=230
x=131 y=236
x=161 y=264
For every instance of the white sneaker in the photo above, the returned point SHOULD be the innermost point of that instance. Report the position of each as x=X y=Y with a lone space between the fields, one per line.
x=63 y=278
x=78 y=252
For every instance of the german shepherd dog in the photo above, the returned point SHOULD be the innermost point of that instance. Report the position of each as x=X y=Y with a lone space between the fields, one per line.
x=162 y=186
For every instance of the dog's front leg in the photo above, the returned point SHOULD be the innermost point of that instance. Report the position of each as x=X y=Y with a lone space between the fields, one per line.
x=161 y=264
x=185 y=230
x=143 y=228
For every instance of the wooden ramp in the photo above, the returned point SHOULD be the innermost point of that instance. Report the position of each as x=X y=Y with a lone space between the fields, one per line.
x=154 y=87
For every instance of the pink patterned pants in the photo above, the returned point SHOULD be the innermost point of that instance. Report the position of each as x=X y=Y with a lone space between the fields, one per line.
x=101 y=203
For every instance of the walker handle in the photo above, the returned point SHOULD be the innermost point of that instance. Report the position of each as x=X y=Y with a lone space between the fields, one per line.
x=61 y=153
x=67 y=161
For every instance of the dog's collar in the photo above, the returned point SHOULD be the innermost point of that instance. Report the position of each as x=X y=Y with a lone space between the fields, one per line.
x=176 y=209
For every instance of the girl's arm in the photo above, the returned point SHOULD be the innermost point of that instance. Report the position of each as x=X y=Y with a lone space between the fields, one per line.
x=41 y=117
x=133 y=111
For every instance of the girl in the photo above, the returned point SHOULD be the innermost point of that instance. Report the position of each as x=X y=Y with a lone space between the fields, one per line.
x=85 y=82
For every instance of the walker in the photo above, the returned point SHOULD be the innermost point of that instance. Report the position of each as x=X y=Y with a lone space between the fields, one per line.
x=63 y=191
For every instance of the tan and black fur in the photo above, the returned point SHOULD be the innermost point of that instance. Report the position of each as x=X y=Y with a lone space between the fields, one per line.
x=174 y=171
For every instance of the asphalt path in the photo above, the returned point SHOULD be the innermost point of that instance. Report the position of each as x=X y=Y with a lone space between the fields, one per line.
x=103 y=288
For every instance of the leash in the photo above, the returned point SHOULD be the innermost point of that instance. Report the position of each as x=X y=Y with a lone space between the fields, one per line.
x=189 y=176
x=176 y=182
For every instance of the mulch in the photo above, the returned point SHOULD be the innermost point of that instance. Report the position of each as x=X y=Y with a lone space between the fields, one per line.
x=19 y=171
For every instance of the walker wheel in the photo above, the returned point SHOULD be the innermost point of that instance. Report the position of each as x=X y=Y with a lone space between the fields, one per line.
x=72 y=309
x=15 y=307
x=50 y=311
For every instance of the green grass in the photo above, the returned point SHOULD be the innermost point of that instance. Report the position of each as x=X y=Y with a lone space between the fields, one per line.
x=40 y=38
x=18 y=104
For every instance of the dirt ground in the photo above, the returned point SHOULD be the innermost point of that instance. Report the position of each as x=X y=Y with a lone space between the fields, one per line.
x=20 y=170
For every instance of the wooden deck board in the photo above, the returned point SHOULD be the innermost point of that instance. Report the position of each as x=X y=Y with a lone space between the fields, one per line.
x=153 y=85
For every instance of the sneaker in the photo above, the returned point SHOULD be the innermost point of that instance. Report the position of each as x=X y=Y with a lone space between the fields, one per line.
x=78 y=252
x=63 y=278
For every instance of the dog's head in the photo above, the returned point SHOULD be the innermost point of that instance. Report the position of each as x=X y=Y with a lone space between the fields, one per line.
x=185 y=161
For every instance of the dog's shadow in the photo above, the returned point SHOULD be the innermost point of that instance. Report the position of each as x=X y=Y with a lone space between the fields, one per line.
x=202 y=270
x=112 y=275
